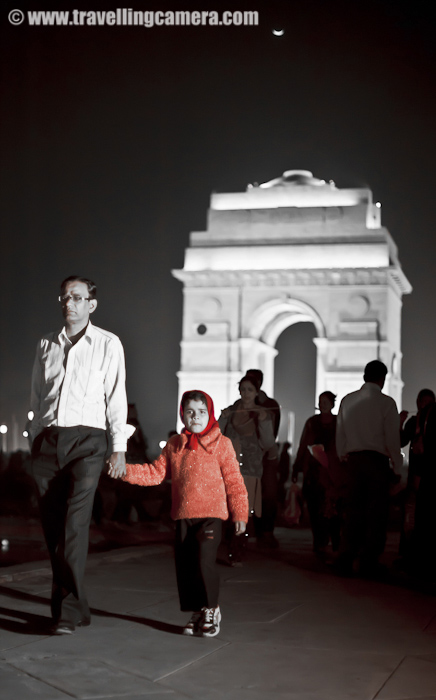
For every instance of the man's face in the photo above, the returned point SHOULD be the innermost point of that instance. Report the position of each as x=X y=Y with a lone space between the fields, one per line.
x=195 y=416
x=77 y=312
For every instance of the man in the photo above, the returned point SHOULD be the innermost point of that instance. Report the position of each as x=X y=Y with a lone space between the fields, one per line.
x=265 y=529
x=78 y=392
x=367 y=437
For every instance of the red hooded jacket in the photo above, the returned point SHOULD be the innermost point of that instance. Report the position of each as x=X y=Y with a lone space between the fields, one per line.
x=206 y=481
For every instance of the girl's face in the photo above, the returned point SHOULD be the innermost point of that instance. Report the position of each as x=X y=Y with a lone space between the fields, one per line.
x=195 y=416
x=248 y=394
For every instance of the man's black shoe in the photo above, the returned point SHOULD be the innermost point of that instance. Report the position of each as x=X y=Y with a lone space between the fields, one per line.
x=84 y=623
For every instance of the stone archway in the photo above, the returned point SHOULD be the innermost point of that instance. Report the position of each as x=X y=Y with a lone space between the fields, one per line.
x=295 y=249
x=267 y=323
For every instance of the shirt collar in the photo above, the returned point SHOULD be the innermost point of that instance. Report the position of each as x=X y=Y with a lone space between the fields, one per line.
x=371 y=386
x=89 y=335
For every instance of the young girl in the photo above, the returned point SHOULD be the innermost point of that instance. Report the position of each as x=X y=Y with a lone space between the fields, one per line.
x=206 y=485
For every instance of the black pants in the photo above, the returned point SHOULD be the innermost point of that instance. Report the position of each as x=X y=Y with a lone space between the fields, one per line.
x=196 y=547
x=366 y=507
x=421 y=558
x=314 y=494
x=269 y=494
x=66 y=465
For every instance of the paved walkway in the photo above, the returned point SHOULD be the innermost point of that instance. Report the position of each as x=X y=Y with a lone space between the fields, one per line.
x=291 y=630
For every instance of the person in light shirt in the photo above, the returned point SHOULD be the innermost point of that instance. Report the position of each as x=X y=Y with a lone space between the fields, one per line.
x=367 y=437
x=78 y=394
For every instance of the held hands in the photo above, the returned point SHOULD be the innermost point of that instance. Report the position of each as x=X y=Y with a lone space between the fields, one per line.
x=117 y=464
x=240 y=527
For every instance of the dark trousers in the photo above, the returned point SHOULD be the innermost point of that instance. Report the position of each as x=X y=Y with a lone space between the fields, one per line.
x=66 y=465
x=196 y=547
x=314 y=494
x=269 y=494
x=421 y=560
x=366 y=507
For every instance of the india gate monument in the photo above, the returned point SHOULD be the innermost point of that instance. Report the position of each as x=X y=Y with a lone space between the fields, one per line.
x=295 y=249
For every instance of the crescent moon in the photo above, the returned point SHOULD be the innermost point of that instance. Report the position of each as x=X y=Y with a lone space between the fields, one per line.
x=278 y=32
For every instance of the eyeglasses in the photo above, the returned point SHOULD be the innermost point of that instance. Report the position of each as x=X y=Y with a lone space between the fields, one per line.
x=76 y=298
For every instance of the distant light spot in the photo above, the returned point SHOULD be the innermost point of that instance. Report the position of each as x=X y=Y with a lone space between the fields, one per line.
x=278 y=32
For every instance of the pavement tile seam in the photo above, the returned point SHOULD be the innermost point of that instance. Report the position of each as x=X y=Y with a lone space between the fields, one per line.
x=25 y=644
x=429 y=623
x=68 y=660
x=391 y=690
x=40 y=680
x=20 y=572
x=283 y=615
x=259 y=676
x=193 y=662
x=22 y=575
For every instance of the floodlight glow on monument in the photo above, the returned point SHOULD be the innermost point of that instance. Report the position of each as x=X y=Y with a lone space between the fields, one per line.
x=287 y=257
x=294 y=249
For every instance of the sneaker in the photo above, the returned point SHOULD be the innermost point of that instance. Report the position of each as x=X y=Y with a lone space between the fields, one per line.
x=192 y=627
x=210 y=626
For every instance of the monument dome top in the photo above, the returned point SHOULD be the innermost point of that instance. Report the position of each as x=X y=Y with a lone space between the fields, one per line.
x=295 y=178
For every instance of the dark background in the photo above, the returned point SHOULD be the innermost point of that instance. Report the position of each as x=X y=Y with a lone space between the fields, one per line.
x=113 y=139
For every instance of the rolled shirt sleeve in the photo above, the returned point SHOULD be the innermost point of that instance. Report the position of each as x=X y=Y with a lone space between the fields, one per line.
x=341 y=441
x=116 y=399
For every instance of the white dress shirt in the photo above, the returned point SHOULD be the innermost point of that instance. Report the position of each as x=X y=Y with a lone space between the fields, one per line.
x=81 y=384
x=369 y=420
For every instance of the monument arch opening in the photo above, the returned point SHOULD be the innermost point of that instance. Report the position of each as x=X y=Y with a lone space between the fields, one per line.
x=295 y=379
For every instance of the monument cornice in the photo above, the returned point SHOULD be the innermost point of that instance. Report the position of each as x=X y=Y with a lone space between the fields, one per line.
x=305 y=278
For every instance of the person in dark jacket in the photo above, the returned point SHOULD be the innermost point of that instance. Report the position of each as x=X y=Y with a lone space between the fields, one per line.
x=318 y=460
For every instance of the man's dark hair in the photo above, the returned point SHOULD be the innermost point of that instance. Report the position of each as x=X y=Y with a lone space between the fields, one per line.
x=193 y=396
x=256 y=373
x=330 y=395
x=375 y=371
x=92 y=289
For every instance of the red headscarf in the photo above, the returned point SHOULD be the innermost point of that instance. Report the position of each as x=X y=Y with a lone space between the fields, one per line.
x=193 y=437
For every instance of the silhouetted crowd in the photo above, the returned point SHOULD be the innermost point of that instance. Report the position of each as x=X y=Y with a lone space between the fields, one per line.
x=351 y=471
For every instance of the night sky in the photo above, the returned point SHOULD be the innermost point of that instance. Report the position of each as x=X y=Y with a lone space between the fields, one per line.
x=114 y=138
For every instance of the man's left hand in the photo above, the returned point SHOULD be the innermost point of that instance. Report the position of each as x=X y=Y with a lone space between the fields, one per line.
x=117 y=464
